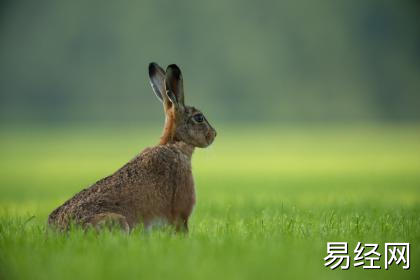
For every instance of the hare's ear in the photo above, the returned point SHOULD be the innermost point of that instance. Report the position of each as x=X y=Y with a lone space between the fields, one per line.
x=157 y=79
x=174 y=85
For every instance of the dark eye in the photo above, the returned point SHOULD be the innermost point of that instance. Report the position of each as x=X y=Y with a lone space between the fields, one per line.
x=199 y=118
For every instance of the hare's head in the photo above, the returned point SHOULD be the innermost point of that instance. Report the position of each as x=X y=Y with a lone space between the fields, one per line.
x=182 y=123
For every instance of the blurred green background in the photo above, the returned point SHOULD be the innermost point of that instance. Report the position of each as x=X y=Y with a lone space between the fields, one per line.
x=316 y=104
x=258 y=61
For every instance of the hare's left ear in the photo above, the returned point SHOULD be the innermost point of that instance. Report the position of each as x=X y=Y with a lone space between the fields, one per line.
x=174 y=85
x=157 y=80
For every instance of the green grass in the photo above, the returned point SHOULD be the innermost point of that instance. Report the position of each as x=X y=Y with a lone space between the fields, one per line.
x=268 y=200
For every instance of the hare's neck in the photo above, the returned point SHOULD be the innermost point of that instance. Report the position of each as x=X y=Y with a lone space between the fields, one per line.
x=185 y=148
x=168 y=129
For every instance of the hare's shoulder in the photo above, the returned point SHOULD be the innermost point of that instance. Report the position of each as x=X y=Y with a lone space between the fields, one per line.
x=158 y=158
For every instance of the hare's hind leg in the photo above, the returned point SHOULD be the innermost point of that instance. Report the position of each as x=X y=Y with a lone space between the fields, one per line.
x=108 y=220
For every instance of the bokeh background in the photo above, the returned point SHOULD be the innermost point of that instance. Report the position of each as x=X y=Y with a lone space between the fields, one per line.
x=243 y=61
x=316 y=104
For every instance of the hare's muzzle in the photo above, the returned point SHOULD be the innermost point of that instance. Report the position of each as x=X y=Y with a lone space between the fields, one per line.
x=210 y=136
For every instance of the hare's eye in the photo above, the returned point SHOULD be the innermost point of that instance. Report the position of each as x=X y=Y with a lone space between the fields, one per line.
x=199 y=118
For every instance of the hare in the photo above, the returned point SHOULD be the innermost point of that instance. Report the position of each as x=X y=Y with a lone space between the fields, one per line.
x=157 y=184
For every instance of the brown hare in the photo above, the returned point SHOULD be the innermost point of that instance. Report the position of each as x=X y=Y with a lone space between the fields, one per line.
x=157 y=184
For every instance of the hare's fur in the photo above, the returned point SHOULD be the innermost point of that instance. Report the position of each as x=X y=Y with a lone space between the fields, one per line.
x=156 y=184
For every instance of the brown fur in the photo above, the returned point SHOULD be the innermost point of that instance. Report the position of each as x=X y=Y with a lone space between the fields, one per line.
x=156 y=185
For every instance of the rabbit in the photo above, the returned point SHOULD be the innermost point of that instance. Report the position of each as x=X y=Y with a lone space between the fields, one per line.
x=157 y=185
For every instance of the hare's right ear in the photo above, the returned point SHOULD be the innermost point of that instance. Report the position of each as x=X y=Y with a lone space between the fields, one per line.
x=174 y=85
x=157 y=79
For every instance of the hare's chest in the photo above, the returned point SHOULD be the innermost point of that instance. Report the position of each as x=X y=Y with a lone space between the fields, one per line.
x=184 y=180
x=184 y=192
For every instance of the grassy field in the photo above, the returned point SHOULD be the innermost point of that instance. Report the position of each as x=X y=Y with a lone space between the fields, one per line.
x=268 y=201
